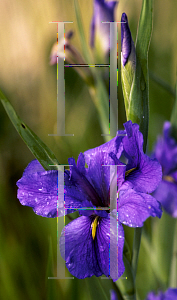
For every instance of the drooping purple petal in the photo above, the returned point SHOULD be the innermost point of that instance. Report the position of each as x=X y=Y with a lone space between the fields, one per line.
x=134 y=208
x=146 y=177
x=86 y=256
x=38 y=189
x=166 y=194
x=41 y=189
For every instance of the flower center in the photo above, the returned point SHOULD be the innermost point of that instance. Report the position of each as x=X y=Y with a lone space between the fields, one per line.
x=94 y=226
x=129 y=171
x=168 y=178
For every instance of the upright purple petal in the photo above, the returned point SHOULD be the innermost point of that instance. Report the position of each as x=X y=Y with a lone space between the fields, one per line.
x=98 y=160
x=79 y=179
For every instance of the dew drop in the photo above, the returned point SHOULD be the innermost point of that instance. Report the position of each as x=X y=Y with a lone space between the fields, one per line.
x=101 y=248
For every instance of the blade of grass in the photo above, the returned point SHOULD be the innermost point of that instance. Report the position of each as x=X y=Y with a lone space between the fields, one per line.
x=43 y=154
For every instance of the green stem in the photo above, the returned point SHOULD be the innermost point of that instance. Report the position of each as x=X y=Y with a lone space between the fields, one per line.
x=100 y=97
x=174 y=115
x=126 y=284
x=69 y=217
x=120 y=297
x=173 y=272
x=136 y=248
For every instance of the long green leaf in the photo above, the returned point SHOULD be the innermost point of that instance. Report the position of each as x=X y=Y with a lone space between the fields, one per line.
x=144 y=33
x=140 y=90
x=43 y=154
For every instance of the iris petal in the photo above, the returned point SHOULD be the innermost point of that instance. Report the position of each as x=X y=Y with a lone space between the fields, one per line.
x=166 y=195
x=98 y=160
x=147 y=173
x=86 y=256
x=134 y=208
x=170 y=294
x=41 y=189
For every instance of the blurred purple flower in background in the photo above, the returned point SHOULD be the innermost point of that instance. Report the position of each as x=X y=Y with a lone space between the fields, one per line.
x=166 y=153
x=170 y=294
x=87 y=238
x=58 y=49
x=127 y=44
x=103 y=12
x=113 y=295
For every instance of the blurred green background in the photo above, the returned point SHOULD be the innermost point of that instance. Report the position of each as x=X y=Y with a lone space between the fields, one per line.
x=30 y=83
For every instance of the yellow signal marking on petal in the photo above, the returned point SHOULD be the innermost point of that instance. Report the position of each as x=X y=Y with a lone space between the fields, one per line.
x=168 y=178
x=94 y=226
x=129 y=171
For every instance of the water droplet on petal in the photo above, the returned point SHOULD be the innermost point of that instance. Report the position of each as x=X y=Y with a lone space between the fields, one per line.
x=101 y=248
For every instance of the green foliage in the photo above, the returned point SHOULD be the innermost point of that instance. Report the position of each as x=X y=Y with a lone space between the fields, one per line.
x=43 y=154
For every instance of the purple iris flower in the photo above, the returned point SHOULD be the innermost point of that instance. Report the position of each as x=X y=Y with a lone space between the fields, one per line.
x=170 y=294
x=103 y=12
x=166 y=153
x=87 y=238
x=127 y=45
